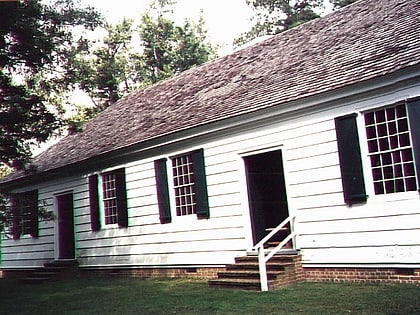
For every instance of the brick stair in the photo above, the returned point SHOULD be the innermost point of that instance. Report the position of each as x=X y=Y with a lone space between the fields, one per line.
x=282 y=269
x=55 y=270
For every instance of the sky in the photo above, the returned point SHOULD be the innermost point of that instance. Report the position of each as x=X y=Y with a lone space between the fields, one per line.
x=225 y=20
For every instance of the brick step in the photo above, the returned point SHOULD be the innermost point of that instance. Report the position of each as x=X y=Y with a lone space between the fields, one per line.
x=244 y=273
x=247 y=274
x=271 y=266
x=287 y=257
x=34 y=280
x=51 y=271
x=248 y=284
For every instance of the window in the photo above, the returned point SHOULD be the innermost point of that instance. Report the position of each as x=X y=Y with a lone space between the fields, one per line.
x=184 y=186
x=25 y=214
x=189 y=184
x=393 y=150
x=109 y=190
x=390 y=150
x=113 y=199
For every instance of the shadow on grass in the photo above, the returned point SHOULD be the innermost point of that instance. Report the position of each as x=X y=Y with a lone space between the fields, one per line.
x=152 y=296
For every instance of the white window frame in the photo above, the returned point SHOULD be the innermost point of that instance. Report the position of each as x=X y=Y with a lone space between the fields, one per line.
x=366 y=163
x=182 y=219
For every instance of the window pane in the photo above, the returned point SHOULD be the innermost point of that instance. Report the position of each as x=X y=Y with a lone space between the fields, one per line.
x=373 y=146
x=390 y=113
x=379 y=116
x=386 y=159
x=410 y=184
x=369 y=119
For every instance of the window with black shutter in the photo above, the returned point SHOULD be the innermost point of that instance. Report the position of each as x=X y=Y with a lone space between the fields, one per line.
x=113 y=199
x=25 y=214
x=393 y=139
x=189 y=185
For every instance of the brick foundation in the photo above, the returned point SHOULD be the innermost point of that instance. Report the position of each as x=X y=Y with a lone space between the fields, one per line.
x=310 y=274
x=362 y=275
x=204 y=273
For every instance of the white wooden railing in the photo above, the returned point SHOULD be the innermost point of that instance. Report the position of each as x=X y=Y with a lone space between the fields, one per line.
x=265 y=255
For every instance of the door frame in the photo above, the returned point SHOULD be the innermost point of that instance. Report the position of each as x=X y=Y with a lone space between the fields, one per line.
x=57 y=225
x=245 y=193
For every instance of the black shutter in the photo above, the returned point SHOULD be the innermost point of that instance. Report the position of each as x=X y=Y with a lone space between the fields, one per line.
x=33 y=206
x=95 y=222
x=16 y=228
x=200 y=181
x=350 y=159
x=413 y=107
x=122 y=214
x=162 y=189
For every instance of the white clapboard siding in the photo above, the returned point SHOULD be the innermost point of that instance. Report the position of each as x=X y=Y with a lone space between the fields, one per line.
x=369 y=255
x=382 y=230
x=315 y=188
x=362 y=224
x=28 y=251
x=171 y=259
x=150 y=235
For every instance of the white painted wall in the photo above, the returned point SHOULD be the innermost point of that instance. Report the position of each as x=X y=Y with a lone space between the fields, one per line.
x=383 y=231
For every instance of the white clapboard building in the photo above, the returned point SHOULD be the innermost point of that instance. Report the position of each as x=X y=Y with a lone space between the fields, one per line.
x=314 y=132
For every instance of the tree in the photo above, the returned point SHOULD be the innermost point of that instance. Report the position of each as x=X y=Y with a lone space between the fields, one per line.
x=107 y=73
x=275 y=16
x=116 y=66
x=35 y=40
x=168 y=48
x=341 y=3
x=36 y=45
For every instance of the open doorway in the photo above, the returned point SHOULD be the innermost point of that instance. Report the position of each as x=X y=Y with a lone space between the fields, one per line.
x=266 y=192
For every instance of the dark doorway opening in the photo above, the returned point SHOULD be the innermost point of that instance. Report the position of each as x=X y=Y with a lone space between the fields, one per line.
x=65 y=219
x=266 y=192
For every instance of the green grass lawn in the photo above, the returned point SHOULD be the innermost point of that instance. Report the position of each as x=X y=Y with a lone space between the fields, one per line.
x=135 y=296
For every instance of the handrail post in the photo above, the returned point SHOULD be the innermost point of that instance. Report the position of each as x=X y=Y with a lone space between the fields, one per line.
x=262 y=268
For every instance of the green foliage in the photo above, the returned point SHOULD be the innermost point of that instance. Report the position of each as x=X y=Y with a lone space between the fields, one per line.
x=170 y=49
x=139 y=296
x=6 y=215
x=341 y=3
x=107 y=73
x=35 y=44
x=116 y=67
x=167 y=48
x=275 y=16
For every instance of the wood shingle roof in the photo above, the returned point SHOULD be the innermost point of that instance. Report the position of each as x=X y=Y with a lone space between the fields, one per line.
x=365 y=40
